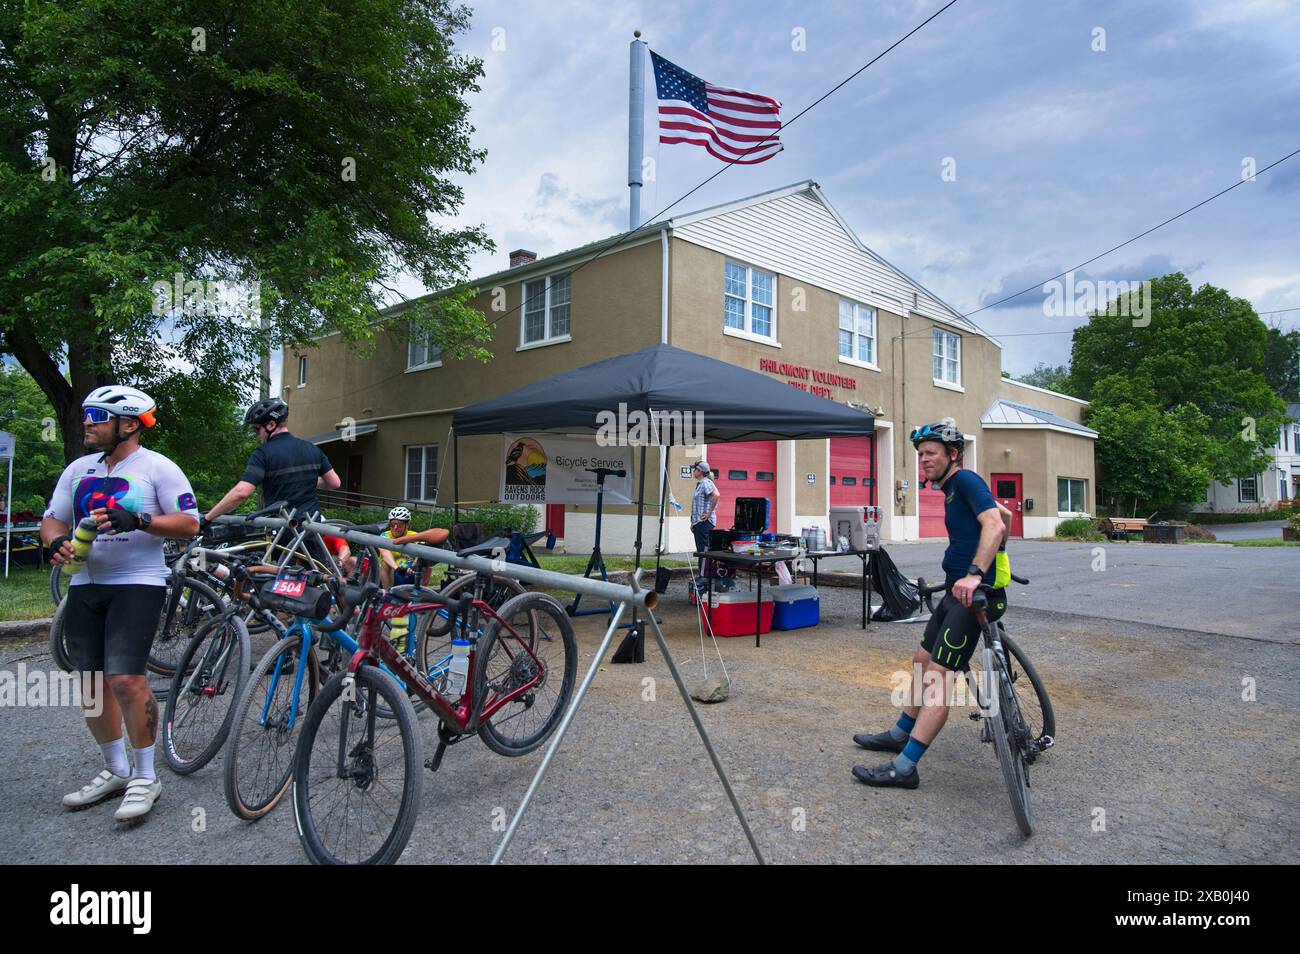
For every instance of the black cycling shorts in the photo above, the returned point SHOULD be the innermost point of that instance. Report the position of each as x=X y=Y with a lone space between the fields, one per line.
x=953 y=631
x=110 y=628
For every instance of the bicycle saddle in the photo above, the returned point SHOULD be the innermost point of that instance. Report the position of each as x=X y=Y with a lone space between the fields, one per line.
x=486 y=547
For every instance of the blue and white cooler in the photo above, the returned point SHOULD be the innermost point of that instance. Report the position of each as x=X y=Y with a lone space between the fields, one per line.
x=796 y=606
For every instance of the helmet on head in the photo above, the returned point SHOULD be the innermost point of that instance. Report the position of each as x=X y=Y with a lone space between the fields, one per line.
x=122 y=401
x=946 y=432
x=400 y=513
x=265 y=411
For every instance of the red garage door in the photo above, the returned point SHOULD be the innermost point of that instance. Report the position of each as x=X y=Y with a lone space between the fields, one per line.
x=930 y=507
x=744 y=470
x=851 y=481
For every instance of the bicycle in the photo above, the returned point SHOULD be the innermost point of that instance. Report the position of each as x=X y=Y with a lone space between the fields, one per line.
x=199 y=708
x=259 y=760
x=1020 y=725
x=352 y=767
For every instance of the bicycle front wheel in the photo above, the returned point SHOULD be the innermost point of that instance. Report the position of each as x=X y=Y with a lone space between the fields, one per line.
x=1010 y=757
x=524 y=668
x=1035 y=706
x=184 y=613
x=58 y=585
x=357 y=776
x=264 y=731
x=201 y=703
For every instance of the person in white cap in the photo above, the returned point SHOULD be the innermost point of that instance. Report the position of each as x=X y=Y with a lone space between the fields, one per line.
x=138 y=497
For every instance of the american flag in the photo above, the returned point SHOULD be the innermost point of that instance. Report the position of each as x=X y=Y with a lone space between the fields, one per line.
x=730 y=123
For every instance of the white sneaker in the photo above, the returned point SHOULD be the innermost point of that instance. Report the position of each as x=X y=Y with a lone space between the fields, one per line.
x=141 y=793
x=104 y=785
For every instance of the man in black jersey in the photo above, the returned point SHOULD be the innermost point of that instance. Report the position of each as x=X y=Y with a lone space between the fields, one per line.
x=286 y=467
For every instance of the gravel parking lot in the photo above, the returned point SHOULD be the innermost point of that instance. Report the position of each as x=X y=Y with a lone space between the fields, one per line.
x=1160 y=758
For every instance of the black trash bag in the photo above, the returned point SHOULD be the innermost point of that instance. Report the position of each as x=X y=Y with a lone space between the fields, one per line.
x=632 y=649
x=899 y=595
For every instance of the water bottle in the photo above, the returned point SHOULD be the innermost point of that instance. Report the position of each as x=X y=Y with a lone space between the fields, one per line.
x=458 y=671
x=82 y=538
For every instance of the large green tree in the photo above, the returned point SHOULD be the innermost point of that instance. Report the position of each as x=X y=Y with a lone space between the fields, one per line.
x=1282 y=363
x=303 y=149
x=1178 y=393
x=1052 y=377
x=38 y=457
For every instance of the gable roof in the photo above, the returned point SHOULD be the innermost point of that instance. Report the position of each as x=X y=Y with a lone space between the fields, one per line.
x=1010 y=414
x=857 y=271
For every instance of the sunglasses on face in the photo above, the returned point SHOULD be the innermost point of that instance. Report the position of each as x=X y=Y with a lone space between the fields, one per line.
x=95 y=415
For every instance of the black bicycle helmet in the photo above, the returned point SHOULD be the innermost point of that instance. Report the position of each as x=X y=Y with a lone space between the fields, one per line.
x=946 y=432
x=267 y=410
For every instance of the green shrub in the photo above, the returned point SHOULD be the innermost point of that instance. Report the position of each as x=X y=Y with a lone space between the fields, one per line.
x=497 y=519
x=1294 y=520
x=1078 y=528
x=1249 y=517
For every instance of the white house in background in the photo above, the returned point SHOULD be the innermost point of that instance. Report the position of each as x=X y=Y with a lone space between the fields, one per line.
x=1279 y=481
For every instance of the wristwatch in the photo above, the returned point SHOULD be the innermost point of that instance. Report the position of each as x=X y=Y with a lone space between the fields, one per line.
x=143 y=520
x=974 y=570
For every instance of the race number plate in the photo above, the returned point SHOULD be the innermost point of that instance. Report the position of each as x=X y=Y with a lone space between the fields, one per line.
x=289 y=587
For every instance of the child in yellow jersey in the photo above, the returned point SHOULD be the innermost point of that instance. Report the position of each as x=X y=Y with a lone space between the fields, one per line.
x=397 y=569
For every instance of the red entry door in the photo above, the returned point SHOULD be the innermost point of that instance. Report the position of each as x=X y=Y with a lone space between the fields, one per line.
x=744 y=470
x=929 y=502
x=851 y=482
x=1007 y=490
x=555 y=519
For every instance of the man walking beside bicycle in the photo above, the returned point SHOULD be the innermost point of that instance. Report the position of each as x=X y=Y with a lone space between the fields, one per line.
x=137 y=498
x=976 y=533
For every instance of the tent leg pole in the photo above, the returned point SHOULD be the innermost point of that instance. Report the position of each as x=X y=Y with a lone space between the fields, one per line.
x=704 y=737
x=559 y=732
x=455 y=478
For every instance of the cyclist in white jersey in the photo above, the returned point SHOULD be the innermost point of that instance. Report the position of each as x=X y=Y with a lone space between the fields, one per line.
x=139 y=497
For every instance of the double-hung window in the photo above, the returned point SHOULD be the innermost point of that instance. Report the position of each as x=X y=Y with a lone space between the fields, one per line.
x=420 y=350
x=422 y=472
x=749 y=301
x=1071 y=495
x=302 y=370
x=546 y=309
x=857 y=332
x=1247 y=490
x=947 y=358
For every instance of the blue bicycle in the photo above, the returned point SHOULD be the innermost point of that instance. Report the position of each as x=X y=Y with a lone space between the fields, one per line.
x=269 y=711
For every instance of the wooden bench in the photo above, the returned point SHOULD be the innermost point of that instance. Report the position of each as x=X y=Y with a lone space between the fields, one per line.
x=1118 y=528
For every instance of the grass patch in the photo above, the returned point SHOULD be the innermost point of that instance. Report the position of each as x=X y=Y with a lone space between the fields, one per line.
x=575 y=563
x=1266 y=542
x=26 y=594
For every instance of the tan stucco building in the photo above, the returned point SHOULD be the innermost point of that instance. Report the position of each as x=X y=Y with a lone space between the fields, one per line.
x=776 y=283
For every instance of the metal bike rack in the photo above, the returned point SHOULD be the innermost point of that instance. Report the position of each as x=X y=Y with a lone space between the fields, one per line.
x=632 y=595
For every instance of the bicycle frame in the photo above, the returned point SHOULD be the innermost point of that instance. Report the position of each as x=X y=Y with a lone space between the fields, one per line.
x=463 y=717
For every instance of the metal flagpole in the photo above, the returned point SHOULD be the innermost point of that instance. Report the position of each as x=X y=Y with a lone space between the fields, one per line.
x=635 y=128
x=9 y=513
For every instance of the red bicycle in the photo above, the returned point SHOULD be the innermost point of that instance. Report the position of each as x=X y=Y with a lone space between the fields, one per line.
x=358 y=766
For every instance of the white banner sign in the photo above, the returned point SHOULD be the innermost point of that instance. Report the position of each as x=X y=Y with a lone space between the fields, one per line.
x=546 y=469
x=6 y=445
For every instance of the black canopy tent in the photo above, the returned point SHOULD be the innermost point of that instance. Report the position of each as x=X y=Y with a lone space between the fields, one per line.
x=736 y=404
x=691 y=397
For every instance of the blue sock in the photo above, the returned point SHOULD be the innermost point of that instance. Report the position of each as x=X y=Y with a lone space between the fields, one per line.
x=903 y=728
x=905 y=761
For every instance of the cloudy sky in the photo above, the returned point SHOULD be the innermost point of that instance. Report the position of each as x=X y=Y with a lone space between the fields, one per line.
x=1060 y=151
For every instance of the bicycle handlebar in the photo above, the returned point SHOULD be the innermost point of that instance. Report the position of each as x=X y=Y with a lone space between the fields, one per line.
x=926 y=592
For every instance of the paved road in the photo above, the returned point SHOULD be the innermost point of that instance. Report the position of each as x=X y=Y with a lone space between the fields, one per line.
x=1247 y=531
x=1160 y=759
x=1203 y=587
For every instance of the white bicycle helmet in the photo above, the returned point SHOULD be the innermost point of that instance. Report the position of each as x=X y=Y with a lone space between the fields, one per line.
x=122 y=401
x=399 y=513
